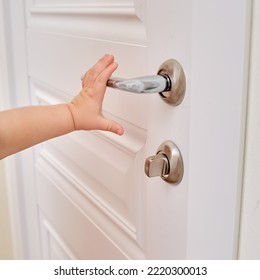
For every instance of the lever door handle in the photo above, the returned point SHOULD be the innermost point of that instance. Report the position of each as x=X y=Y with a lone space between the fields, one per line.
x=146 y=84
x=169 y=82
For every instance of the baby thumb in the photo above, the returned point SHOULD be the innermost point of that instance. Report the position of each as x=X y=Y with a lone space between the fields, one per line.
x=112 y=126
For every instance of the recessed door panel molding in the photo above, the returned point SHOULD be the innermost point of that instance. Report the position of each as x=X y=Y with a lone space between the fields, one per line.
x=53 y=245
x=64 y=206
x=103 y=163
x=107 y=20
x=115 y=197
x=70 y=3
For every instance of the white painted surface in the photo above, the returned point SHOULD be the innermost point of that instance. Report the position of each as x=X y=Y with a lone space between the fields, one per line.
x=92 y=178
x=249 y=246
x=218 y=102
x=96 y=202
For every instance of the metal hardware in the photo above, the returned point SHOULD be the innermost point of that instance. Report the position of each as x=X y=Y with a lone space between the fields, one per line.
x=146 y=84
x=173 y=70
x=157 y=165
x=167 y=163
x=169 y=82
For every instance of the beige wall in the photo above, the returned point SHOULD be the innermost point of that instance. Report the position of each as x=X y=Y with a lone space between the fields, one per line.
x=5 y=231
x=250 y=219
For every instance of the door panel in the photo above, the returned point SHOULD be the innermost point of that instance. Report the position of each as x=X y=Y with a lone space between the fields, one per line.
x=67 y=213
x=89 y=184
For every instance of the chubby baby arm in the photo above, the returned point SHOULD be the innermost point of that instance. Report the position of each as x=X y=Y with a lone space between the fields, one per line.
x=24 y=127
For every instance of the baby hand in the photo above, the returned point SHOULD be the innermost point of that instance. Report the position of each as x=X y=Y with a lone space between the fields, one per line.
x=86 y=107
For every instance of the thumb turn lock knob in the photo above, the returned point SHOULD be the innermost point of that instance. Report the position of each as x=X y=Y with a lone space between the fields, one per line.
x=167 y=163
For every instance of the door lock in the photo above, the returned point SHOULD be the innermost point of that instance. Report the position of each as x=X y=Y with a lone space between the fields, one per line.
x=167 y=163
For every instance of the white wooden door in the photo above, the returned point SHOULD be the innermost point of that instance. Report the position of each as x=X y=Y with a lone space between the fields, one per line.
x=91 y=196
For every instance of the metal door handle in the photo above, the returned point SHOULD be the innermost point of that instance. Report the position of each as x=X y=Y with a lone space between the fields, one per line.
x=167 y=163
x=146 y=84
x=169 y=82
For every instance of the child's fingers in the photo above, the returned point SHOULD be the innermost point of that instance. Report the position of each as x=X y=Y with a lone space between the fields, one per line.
x=94 y=72
x=101 y=81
